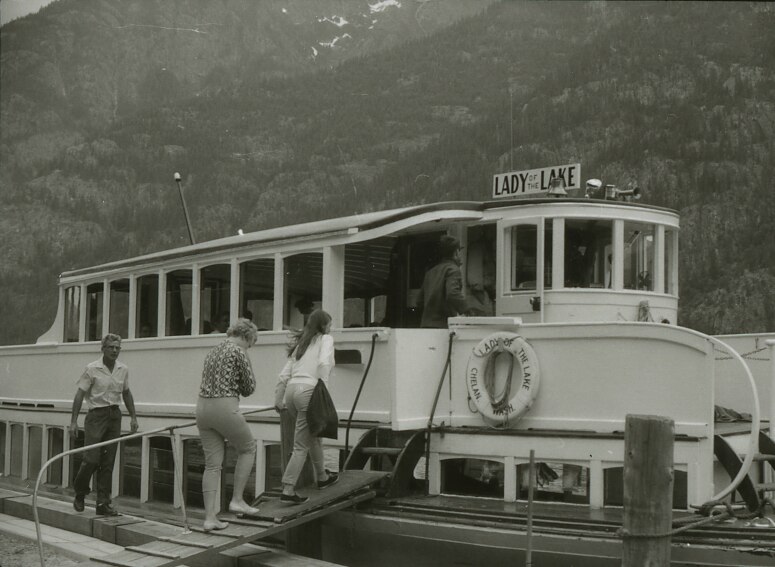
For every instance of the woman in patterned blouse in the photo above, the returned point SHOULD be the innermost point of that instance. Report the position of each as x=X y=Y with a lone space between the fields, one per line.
x=310 y=358
x=226 y=376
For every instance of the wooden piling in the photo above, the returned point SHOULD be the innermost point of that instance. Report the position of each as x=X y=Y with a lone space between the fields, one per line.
x=648 y=491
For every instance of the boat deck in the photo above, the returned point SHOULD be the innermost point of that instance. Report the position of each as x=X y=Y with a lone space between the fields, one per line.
x=571 y=519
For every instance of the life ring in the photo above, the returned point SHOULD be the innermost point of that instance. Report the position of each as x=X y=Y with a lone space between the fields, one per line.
x=480 y=377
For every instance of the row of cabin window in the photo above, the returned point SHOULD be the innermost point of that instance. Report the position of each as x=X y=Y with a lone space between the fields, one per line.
x=588 y=255
x=366 y=269
x=381 y=279
x=256 y=300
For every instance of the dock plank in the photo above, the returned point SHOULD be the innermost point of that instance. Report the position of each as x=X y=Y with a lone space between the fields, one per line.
x=170 y=549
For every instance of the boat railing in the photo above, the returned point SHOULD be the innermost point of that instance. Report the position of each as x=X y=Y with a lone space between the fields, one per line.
x=175 y=456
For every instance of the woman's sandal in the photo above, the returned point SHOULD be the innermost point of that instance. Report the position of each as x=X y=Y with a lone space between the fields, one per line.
x=218 y=525
x=243 y=510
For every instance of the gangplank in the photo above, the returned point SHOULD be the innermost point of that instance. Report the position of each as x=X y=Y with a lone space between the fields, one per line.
x=168 y=549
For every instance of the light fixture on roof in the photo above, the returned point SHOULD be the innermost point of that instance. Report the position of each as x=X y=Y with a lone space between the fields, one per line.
x=596 y=190
x=628 y=194
x=593 y=186
x=557 y=187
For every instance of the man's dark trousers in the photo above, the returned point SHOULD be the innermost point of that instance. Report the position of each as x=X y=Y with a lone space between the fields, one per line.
x=101 y=424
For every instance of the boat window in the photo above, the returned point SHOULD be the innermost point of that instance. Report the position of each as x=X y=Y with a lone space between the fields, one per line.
x=147 y=316
x=194 y=463
x=72 y=313
x=2 y=447
x=472 y=477
x=411 y=257
x=480 y=270
x=588 y=253
x=303 y=287
x=34 y=448
x=638 y=256
x=94 y=293
x=256 y=294
x=367 y=281
x=119 y=307
x=273 y=467
x=671 y=252
x=613 y=488
x=178 y=316
x=77 y=458
x=523 y=257
x=555 y=482
x=130 y=473
x=548 y=253
x=56 y=444
x=16 y=438
x=162 y=470
x=214 y=307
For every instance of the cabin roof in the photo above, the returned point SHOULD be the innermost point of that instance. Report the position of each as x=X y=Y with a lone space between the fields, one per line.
x=327 y=227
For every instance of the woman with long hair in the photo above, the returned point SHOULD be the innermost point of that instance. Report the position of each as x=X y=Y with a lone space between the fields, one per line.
x=310 y=358
x=226 y=376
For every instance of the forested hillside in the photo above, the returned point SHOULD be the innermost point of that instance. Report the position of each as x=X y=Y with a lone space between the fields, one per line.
x=676 y=97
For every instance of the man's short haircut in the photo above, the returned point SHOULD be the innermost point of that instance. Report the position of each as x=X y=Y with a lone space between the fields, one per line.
x=448 y=245
x=110 y=338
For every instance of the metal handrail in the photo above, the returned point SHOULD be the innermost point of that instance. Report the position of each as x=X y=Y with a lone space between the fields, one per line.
x=429 y=427
x=357 y=397
x=55 y=458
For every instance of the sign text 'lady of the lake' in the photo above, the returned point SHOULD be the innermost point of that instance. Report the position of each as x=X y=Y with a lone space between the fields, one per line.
x=535 y=180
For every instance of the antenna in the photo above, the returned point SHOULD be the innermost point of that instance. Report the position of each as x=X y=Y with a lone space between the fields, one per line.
x=511 y=124
x=185 y=209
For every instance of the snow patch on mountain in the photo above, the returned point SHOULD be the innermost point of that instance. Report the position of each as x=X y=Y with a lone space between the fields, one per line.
x=338 y=21
x=384 y=5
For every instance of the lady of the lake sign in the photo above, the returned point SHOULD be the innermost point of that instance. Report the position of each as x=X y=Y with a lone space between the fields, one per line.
x=535 y=180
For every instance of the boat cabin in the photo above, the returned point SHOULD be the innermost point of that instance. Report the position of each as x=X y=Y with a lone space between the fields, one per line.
x=543 y=260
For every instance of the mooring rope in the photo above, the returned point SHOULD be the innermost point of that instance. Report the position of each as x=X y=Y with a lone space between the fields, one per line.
x=714 y=516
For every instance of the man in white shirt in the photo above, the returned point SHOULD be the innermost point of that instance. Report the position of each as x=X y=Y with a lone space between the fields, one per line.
x=103 y=384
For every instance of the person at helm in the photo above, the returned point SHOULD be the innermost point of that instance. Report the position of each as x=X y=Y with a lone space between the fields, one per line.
x=441 y=295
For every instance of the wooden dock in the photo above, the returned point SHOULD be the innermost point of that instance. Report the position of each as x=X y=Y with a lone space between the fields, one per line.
x=175 y=546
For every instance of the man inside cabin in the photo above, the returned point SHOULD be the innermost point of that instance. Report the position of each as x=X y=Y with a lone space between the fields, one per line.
x=103 y=384
x=222 y=323
x=441 y=295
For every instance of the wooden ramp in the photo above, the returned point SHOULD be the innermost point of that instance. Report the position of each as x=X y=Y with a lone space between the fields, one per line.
x=276 y=517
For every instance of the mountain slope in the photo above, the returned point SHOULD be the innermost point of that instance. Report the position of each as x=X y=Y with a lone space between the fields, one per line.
x=677 y=97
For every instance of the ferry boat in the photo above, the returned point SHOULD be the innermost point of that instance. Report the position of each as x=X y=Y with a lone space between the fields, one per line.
x=571 y=326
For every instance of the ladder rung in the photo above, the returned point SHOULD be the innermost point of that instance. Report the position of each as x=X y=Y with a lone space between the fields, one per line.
x=381 y=450
x=765 y=486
